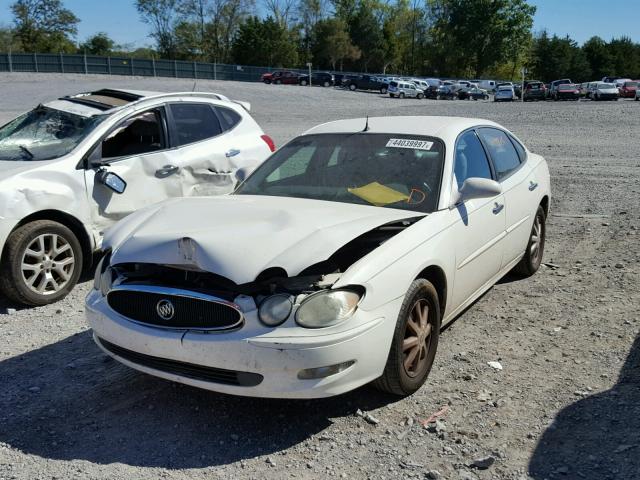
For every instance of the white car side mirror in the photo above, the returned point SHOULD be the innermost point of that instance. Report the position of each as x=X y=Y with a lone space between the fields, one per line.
x=476 y=187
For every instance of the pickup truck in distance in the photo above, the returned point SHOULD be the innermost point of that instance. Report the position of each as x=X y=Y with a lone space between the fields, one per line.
x=367 y=82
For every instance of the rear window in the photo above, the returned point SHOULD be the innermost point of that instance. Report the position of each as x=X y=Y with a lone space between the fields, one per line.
x=567 y=87
x=394 y=84
x=194 y=122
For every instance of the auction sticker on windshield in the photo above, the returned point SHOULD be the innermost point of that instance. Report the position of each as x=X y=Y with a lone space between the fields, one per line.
x=409 y=143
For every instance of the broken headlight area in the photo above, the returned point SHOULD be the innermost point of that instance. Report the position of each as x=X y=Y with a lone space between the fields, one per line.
x=103 y=277
x=327 y=308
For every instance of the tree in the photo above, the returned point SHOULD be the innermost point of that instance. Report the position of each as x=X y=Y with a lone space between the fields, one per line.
x=44 y=26
x=281 y=11
x=98 y=44
x=9 y=42
x=367 y=34
x=265 y=43
x=332 y=44
x=479 y=33
x=625 y=57
x=554 y=57
x=162 y=16
x=599 y=57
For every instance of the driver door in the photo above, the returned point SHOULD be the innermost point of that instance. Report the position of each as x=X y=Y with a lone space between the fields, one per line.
x=137 y=150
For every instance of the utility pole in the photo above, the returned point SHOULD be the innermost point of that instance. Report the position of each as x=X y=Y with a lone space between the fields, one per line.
x=309 y=65
x=524 y=72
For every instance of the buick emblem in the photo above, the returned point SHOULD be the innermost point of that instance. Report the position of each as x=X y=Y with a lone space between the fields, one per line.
x=165 y=309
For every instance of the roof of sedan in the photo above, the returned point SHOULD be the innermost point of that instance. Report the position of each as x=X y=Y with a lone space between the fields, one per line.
x=417 y=125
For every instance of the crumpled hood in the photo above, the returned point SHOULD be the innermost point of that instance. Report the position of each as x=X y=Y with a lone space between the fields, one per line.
x=239 y=236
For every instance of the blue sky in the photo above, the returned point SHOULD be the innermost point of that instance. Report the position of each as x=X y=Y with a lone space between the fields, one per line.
x=580 y=19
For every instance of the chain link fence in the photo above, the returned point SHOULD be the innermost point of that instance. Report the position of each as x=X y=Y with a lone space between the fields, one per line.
x=93 y=64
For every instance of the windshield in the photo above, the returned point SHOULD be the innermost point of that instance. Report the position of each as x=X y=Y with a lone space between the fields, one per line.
x=43 y=134
x=385 y=170
x=631 y=84
x=606 y=86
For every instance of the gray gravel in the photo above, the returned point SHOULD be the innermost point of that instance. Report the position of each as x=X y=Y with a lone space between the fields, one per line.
x=566 y=404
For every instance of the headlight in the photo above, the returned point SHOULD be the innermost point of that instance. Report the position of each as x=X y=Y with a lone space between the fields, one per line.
x=275 y=309
x=97 y=276
x=327 y=308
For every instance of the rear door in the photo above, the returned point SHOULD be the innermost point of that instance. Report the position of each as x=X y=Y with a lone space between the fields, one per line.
x=518 y=184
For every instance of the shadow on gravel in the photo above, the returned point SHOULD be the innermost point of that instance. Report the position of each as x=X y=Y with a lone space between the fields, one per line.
x=597 y=437
x=69 y=401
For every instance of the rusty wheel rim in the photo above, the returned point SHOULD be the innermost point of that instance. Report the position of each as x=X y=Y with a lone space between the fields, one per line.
x=417 y=339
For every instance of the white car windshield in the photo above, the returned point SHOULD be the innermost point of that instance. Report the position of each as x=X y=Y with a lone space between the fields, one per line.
x=386 y=170
x=43 y=134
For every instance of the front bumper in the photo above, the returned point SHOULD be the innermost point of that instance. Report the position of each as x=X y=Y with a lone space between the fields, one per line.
x=278 y=359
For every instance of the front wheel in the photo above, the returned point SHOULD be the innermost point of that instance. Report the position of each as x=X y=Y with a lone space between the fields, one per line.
x=326 y=84
x=352 y=87
x=303 y=83
x=415 y=341
x=532 y=258
x=401 y=95
x=278 y=82
x=383 y=90
x=420 y=96
x=42 y=262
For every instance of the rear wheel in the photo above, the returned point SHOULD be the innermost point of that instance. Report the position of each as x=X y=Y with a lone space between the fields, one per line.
x=415 y=341
x=530 y=262
x=42 y=262
x=278 y=82
x=383 y=90
x=420 y=96
x=326 y=84
x=352 y=87
x=303 y=83
x=401 y=95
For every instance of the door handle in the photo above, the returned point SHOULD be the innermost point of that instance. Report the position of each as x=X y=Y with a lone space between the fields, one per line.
x=166 y=171
x=497 y=208
x=532 y=185
x=232 y=153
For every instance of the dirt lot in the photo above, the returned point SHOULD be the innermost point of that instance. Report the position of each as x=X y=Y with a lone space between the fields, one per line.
x=566 y=404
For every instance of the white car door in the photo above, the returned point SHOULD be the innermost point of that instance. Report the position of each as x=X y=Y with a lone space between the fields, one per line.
x=479 y=228
x=137 y=149
x=517 y=181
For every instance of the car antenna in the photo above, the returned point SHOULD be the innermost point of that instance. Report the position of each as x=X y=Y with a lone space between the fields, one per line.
x=366 y=125
x=193 y=89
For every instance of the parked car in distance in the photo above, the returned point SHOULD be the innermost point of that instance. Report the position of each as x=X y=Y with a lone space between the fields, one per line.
x=534 y=90
x=334 y=264
x=404 y=89
x=567 y=91
x=504 y=93
x=638 y=94
x=489 y=85
x=345 y=80
x=367 y=82
x=322 y=79
x=74 y=166
x=603 y=91
x=472 y=93
x=446 y=92
x=584 y=89
x=553 y=86
x=281 y=77
x=628 y=89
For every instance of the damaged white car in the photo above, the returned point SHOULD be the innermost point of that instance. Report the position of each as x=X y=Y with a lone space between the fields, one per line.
x=333 y=265
x=65 y=165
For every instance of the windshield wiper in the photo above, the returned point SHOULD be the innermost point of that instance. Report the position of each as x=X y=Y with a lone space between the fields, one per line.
x=27 y=151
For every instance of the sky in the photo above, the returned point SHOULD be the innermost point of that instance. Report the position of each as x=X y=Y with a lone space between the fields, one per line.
x=580 y=19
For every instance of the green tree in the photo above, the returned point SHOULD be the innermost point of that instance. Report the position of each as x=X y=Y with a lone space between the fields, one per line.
x=625 y=57
x=265 y=43
x=556 y=57
x=44 y=26
x=333 y=45
x=599 y=57
x=162 y=15
x=366 y=32
x=98 y=44
x=9 y=42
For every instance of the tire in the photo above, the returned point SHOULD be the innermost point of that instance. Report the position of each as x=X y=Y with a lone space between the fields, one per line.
x=267 y=82
x=278 y=82
x=399 y=378
x=401 y=95
x=353 y=87
x=326 y=84
x=392 y=95
x=532 y=258
x=420 y=96
x=383 y=90
x=303 y=83
x=50 y=281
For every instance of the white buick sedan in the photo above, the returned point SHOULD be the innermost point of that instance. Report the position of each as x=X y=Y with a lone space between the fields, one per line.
x=334 y=264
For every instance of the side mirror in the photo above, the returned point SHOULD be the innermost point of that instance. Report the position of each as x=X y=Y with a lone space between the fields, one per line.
x=476 y=187
x=242 y=174
x=111 y=180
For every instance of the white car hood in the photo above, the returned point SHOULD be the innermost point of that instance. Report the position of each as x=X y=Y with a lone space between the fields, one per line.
x=239 y=236
x=11 y=167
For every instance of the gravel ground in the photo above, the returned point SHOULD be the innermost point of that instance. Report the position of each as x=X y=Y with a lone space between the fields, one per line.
x=566 y=404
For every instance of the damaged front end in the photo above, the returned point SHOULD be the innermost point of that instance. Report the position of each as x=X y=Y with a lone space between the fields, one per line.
x=185 y=297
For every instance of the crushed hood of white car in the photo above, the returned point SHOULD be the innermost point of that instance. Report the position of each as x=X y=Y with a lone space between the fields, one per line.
x=241 y=236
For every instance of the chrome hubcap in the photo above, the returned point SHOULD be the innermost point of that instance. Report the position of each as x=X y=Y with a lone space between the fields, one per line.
x=47 y=264
x=536 y=240
x=417 y=336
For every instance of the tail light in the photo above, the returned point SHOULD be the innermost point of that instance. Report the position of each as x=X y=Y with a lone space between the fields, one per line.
x=269 y=141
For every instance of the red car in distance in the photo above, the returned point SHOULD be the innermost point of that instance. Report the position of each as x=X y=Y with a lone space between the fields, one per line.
x=281 y=77
x=628 y=89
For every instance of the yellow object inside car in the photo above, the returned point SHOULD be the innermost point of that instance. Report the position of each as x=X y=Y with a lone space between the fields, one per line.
x=378 y=195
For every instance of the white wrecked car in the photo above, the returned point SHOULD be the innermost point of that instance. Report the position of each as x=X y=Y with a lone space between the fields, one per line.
x=334 y=264
x=64 y=167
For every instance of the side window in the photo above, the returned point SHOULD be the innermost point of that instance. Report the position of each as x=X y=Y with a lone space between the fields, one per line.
x=502 y=152
x=229 y=118
x=194 y=122
x=522 y=153
x=138 y=134
x=470 y=161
